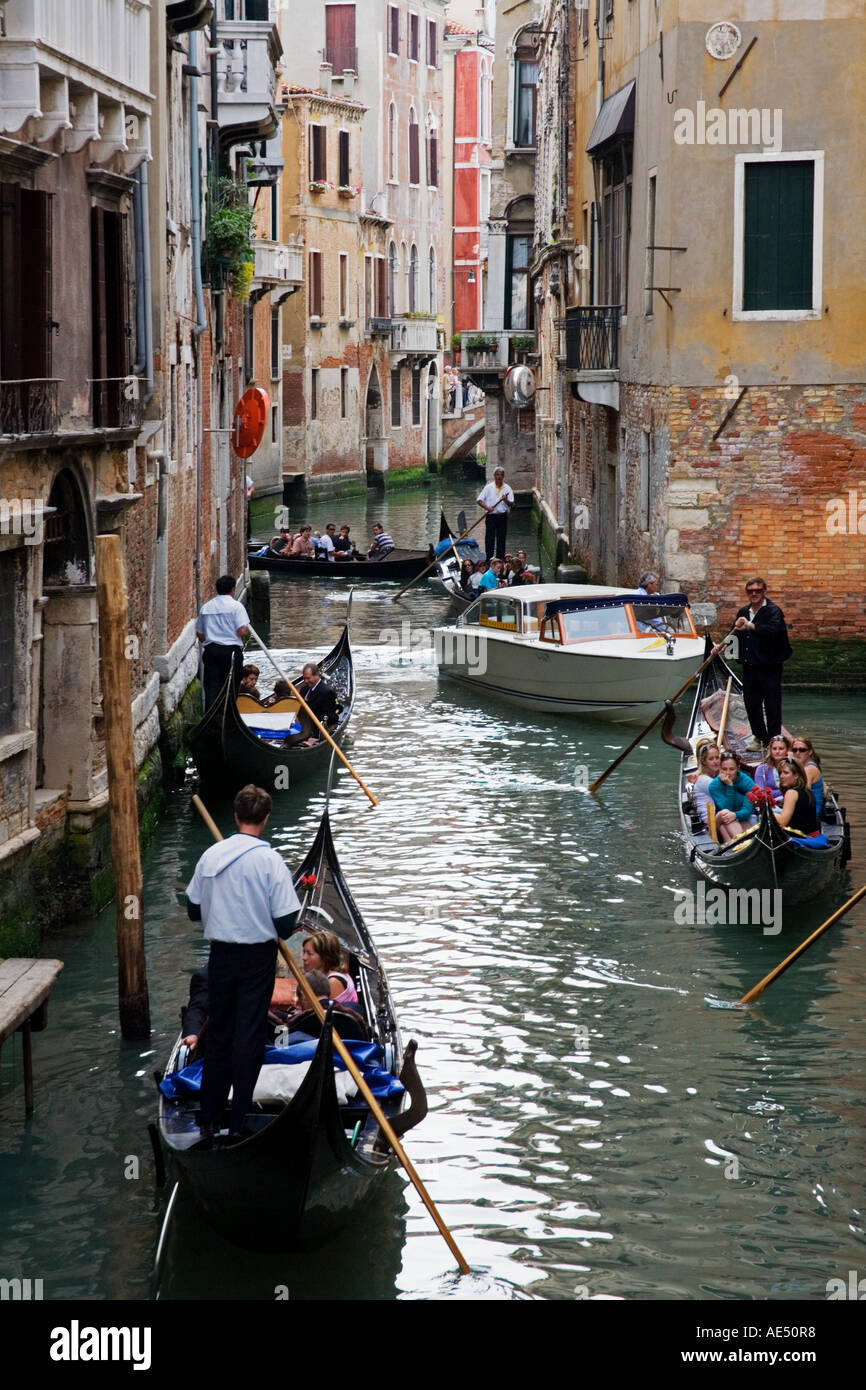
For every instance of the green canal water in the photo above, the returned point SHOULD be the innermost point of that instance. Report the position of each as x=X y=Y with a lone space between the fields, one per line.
x=604 y=1123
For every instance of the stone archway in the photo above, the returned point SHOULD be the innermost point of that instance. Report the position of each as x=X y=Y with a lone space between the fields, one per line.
x=375 y=440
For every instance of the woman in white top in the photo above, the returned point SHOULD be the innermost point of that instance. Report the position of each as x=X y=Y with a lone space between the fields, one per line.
x=708 y=768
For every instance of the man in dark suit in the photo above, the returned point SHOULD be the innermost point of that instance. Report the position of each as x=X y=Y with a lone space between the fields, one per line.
x=763 y=648
x=320 y=697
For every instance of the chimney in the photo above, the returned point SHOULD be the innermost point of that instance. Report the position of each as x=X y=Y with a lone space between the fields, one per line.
x=325 y=70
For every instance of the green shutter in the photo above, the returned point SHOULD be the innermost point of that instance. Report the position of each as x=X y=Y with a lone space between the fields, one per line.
x=777 y=251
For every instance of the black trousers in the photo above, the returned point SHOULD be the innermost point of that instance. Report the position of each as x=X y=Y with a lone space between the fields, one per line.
x=217 y=661
x=495 y=527
x=240 y=985
x=762 y=694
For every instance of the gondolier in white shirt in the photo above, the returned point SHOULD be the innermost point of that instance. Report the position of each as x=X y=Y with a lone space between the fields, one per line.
x=222 y=625
x=497 y=499
x=243 y=893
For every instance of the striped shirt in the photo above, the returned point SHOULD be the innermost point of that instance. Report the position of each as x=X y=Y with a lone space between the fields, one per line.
x=383 y=542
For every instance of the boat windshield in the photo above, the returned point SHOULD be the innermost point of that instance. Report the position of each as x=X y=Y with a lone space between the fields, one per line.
x=659 y=617
x=595 y=622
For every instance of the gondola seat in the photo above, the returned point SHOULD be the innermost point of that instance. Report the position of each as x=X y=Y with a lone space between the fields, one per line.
x=348 y=1024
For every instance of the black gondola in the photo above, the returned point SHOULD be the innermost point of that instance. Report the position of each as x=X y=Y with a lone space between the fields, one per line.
x=309 y=1163
x=766 y=856
x=399 y=564
x=228 y=754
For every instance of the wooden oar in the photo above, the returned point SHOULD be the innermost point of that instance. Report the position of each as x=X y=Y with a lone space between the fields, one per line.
x=724 y=719
x=437 y=558
x=594 y=786
x=354 y=1072
x=298 y=696
x=758 y=989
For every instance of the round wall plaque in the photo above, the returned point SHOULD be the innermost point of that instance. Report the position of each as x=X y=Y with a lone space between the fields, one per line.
x=723 y=40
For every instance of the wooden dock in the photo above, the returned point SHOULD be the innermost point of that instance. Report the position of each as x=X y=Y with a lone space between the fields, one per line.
x=24 y=989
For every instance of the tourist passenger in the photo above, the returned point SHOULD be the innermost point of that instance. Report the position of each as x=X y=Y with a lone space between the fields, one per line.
x=343 y=545
x=729 y=794
x=320 y=697
x=282 y=691
x=496 y=499
x=242 y=891
x=475 y=578
x=763 y=648
x=804 y=752
x=467 y=570
x=302 y=546
x=767 y=772
x=327 y=547
x=708 y=754
x=798 y=807
x=382 y=542
x=322 y=951
x=282 y=543
x=249 y=682
x=222 y=624
x=492 y=576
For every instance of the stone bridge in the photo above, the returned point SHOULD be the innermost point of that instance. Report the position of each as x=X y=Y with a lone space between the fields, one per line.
x=462 y=433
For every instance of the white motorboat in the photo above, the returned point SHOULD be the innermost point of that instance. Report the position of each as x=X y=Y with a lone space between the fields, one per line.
x=573 y=649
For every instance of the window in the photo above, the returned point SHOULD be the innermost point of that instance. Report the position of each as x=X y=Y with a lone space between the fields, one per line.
x=432 y=44
x=108 y=315
x=396 y=411
x=432 y=155
x=615 y=226
x=518 y=300
x=432 y=296
x=392 y=281
x=25 y=309
x=275 y=213
x=413 y=280
x=778 y=233
x=340 y=49
x=584 y=21
x=393 y=29
x=275 y=344
x=414 y=152
x=498 y=612
x=316 y=295
x=247 y=9
x=314 y=394
x=343 y=288
x=318 y=153
x=525 y=91
x=368 y=288
x=381 y=289
x=344 y=392
x=649 y=270
x=414 y=31
x=392 y=143
x=275 y=420
x=344 y=175
x=416 y=395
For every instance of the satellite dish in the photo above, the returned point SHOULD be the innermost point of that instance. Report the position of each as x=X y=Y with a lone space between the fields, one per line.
x=519 y=386
x=250 y=418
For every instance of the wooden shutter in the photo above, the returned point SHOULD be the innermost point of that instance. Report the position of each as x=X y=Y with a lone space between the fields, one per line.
x=413 y=37
x=414 y=161
x=318 y=153
x=381 y=289
x=433 y=159
x=340 y=37
x=316 y=283
x=344 y=175
x=777 y=250
x=393 y=29
x=432 y=47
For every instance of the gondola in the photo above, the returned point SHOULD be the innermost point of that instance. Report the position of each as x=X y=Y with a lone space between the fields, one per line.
x=228 y=754
x=310 y=1162
x=399 y=564
x=766 y=856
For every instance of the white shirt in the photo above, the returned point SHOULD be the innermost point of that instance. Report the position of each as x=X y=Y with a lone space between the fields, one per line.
x=753 y=612
x=219 y=620
x=241 y=885
x=325 y=543
x=498 y=498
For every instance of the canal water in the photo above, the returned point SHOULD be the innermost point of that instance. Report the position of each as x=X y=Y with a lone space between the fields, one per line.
x=604 y=1121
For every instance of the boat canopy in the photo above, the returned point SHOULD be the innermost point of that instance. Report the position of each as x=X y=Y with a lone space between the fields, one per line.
x=579 y=605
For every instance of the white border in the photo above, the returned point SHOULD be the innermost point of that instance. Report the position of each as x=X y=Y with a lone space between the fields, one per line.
x=738 y=313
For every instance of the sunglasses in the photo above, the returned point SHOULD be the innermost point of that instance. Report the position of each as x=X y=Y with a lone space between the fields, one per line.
x=799 y=748
x=754 y=591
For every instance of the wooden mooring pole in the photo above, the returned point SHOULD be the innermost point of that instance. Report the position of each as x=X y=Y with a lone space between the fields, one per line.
x=134 y=1005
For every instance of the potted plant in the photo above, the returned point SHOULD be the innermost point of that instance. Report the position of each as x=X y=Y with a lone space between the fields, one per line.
x=230 y=234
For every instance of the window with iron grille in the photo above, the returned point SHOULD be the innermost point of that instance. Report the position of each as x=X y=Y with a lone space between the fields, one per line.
x=25 y=305
x=414 y=37
x=318 y=153
x=396 y=411
x=416 y=395
x=393 y=29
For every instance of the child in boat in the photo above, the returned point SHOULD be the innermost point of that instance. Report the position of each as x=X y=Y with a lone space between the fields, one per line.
x=322 y=951
x=767 y=772
x=729 y=794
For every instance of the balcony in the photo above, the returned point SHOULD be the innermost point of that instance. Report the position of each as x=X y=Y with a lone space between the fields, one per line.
x=116 y=403
x=379 y=325
x=495 y=350
x=342 y=57
x=411 y=335
x=247 y=82
x=592 y=338
x=278 y=265
x=29 y=406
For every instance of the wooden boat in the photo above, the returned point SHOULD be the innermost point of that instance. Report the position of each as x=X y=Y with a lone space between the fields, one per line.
x=309 y=1163
x=228 y=754
x=446 y=576
x=766 y=856
x=573 y=649
x=399 y=564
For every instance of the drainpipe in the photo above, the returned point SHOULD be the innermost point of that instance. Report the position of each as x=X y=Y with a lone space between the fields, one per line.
x=195 y=188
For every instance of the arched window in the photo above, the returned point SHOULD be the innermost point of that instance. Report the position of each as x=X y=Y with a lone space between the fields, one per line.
x=432 y=296
x=392 y=142
x=414 y=148
x=432 y=152
x=413 y=280
x=404 y=276
x=392 y=280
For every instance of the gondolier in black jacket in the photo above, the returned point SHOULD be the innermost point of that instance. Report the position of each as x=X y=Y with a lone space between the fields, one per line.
x=243 y=893
x=763 y=649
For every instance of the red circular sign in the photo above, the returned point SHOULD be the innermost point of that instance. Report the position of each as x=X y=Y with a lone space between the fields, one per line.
x=248 y=426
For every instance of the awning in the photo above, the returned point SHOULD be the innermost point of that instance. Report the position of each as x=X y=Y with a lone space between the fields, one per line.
x=615 y=120
x=583 y=605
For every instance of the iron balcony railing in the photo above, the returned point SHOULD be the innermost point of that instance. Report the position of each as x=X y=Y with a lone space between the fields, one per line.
x=342 y=57
x=116 y=402
x=592 y=337
x=29 y=406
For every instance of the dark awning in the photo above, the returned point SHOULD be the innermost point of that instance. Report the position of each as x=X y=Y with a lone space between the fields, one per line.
x=582 y=605
x=615 y=120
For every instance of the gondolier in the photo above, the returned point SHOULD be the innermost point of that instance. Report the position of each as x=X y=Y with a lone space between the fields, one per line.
x=243 y=893
x=763 y=648
x=222 y=624
x=497 y=499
